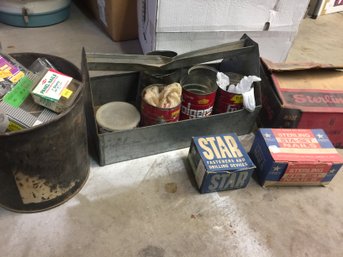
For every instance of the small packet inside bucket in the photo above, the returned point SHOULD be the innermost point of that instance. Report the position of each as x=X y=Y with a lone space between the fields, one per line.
x=244 y=87
x=55 y=90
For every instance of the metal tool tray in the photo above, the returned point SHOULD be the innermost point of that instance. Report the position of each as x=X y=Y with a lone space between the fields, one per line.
x=143 y=141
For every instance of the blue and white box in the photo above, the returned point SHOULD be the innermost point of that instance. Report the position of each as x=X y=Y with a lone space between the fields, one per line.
x=219 y=163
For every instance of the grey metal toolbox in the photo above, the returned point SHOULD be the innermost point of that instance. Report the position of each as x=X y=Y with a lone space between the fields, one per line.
x=241 y=57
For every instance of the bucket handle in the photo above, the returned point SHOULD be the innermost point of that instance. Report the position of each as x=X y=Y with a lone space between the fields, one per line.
x=25 y=13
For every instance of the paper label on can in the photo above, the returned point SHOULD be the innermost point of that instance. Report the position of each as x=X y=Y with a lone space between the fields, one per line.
x=152 y=115
x=190 y=112
x=228 y=102
x=195 y=105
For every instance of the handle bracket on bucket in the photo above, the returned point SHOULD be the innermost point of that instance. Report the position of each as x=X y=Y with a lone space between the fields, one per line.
x=25 y=13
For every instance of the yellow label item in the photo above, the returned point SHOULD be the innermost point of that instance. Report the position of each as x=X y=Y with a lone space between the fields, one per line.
x=5 y=73
x=17 y=77
x=14 y=126
x=66 y=93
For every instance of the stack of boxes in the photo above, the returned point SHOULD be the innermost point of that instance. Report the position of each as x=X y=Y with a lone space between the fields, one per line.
x=283 y=157
x=183 y=26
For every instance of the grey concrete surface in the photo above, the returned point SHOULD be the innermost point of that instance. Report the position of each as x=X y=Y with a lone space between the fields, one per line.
x=65 y=39
x=319 y=40
x=149 y=207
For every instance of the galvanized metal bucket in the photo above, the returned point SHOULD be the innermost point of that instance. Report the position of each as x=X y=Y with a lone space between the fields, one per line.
x=44 y=166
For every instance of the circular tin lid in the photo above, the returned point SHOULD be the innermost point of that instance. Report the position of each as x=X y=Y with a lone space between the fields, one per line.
x=117 y=116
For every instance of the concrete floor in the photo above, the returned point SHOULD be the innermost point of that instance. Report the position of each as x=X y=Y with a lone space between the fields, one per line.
x=127 y=209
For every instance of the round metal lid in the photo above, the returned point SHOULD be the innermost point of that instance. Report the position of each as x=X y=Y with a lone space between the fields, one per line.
x=116 y=116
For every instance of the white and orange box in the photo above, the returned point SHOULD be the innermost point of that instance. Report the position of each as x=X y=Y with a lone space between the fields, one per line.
x=294 y=157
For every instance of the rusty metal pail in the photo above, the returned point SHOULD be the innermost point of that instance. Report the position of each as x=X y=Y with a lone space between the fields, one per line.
x=44 y=166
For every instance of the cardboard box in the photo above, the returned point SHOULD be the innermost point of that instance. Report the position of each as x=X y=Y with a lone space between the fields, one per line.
x=322 y=7
x=183 y=26
x=303 y=95
x=118 y=17
x=294 y=157
x=219 y=163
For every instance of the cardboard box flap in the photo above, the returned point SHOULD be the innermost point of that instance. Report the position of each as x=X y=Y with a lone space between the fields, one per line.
x=298 y=66
x=304 y=81
x=310 y=87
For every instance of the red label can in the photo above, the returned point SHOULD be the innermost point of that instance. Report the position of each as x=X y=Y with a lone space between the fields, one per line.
x=196 y=101
x=199 y=89
x=226 y=101
x=152 y=115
